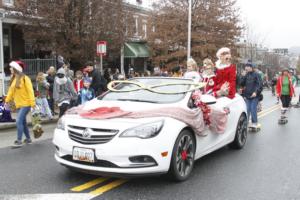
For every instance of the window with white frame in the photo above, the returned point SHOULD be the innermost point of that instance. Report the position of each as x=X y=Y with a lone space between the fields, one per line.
x=8 y=2
x=145 y=28
x=136 y=31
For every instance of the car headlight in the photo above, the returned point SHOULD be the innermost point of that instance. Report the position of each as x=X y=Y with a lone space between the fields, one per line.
x=144 y=131
x=61 y=124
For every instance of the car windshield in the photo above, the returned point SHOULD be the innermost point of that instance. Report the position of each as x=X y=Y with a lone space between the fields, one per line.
x=144 y=95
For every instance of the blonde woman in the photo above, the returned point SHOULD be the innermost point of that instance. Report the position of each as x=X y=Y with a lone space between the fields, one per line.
x=42 y=88
x=192 y=70
x=208 y=75
x=21 y=93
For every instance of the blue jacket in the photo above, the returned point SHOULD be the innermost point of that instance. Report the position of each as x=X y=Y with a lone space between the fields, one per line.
x=251 y=83
x=86 y=94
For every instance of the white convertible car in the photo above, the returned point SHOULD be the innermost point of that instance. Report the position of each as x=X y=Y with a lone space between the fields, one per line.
x=122 y=146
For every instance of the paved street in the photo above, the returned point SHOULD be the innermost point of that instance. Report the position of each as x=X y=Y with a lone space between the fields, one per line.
x=267 y=168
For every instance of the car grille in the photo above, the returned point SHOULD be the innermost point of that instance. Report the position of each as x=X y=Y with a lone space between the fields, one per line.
x=94 y=135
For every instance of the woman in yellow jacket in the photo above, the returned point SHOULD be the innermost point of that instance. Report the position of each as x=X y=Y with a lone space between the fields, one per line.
x=21 y=93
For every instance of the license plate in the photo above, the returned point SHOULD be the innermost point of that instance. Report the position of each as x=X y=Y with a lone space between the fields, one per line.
x=83 y=154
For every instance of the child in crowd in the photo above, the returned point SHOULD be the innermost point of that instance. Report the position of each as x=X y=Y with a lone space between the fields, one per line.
x=42 y=92
x=208 y=75
x=78 y=82
x=86 y=93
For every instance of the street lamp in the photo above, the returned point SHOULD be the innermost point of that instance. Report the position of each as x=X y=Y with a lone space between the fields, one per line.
x=189 y=30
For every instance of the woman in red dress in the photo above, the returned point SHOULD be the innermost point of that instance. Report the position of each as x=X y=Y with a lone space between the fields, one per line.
x=225 y=83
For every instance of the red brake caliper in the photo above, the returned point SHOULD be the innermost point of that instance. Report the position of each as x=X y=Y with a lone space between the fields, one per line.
x=184 y=155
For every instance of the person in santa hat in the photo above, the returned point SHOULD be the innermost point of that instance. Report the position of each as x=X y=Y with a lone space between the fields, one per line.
x=208 y=75
x=225 y=84
x=21 y=93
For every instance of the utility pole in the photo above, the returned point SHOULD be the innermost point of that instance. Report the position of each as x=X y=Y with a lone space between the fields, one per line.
x=189 y=30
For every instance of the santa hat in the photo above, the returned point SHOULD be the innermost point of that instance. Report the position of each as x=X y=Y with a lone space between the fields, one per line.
x=17 y=65
x=222 y=50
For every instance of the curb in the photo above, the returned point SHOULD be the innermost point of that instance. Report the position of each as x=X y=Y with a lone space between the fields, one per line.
x=11 y=125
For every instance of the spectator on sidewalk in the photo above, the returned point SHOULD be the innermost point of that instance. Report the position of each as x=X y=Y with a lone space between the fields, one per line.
x=42 y=91
x=78 y=81
x=63 y=91
x=252 y=87
x=50 y=79
x=87 y=93
x=98 y=81
x=69 y=72
x=21 y=93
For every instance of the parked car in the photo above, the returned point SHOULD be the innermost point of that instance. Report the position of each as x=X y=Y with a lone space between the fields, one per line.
x=145 y=146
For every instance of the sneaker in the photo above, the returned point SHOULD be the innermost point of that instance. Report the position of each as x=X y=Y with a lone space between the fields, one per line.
x=27 y=141
x=17 y=144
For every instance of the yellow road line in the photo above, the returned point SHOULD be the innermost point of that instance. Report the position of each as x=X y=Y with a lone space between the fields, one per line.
x=268 y=109
x=266 y=113
x=108 y=187
x=88 y=184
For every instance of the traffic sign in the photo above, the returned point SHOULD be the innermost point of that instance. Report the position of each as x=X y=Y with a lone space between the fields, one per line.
x=101 y=48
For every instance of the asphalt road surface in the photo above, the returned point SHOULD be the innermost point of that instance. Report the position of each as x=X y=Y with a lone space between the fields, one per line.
x=267 y=168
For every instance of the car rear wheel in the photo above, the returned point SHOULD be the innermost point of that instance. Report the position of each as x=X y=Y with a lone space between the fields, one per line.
x=182 y=161
x=241 y=134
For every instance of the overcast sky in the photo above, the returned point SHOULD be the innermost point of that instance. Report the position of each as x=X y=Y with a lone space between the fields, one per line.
x=278 y=21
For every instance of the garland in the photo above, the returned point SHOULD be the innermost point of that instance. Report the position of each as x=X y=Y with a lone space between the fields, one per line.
x=204 y=108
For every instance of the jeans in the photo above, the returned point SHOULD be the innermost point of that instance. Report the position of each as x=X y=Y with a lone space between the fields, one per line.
x=22 y=123
x=45 y=109
x=51 y=104
x=252 y=108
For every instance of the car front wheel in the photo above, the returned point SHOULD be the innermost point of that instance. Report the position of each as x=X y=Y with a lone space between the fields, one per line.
x=241 y=133
x=183 y=155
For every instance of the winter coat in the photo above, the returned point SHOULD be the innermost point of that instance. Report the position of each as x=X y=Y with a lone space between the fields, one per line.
x=87 y=94
x=42 y=89
x=223 y=75
x=50 y=80
x=22 y=96
x=64 y=93
x=78 y=85
x=98 y=82
x=251 y=83
x=279 y=86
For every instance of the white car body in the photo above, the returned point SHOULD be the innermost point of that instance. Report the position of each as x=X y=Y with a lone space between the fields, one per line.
x=115 y=153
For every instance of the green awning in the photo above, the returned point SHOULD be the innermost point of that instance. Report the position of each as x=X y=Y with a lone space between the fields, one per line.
x=136 y=50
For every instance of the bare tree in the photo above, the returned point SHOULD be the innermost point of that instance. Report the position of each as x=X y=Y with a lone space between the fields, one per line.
x=72 y=27
x=215 y=23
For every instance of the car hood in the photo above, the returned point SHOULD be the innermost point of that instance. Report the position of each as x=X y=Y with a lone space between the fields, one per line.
x=117 y=123
x=127 y=105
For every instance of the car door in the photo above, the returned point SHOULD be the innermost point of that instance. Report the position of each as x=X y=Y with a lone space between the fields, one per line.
x=212 y=140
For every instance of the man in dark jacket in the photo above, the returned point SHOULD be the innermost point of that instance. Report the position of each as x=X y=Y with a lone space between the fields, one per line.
x=98 y=81
x=252 y=87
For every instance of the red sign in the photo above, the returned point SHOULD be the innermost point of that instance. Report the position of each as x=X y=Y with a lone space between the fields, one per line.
x=101 y=48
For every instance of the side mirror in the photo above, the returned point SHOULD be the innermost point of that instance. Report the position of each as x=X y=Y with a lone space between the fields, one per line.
x=208 y=99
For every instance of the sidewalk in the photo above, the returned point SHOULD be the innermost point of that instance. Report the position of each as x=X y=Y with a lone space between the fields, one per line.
x=9 y=125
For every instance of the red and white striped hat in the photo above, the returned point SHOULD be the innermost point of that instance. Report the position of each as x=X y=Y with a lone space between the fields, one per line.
x=17 y=65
